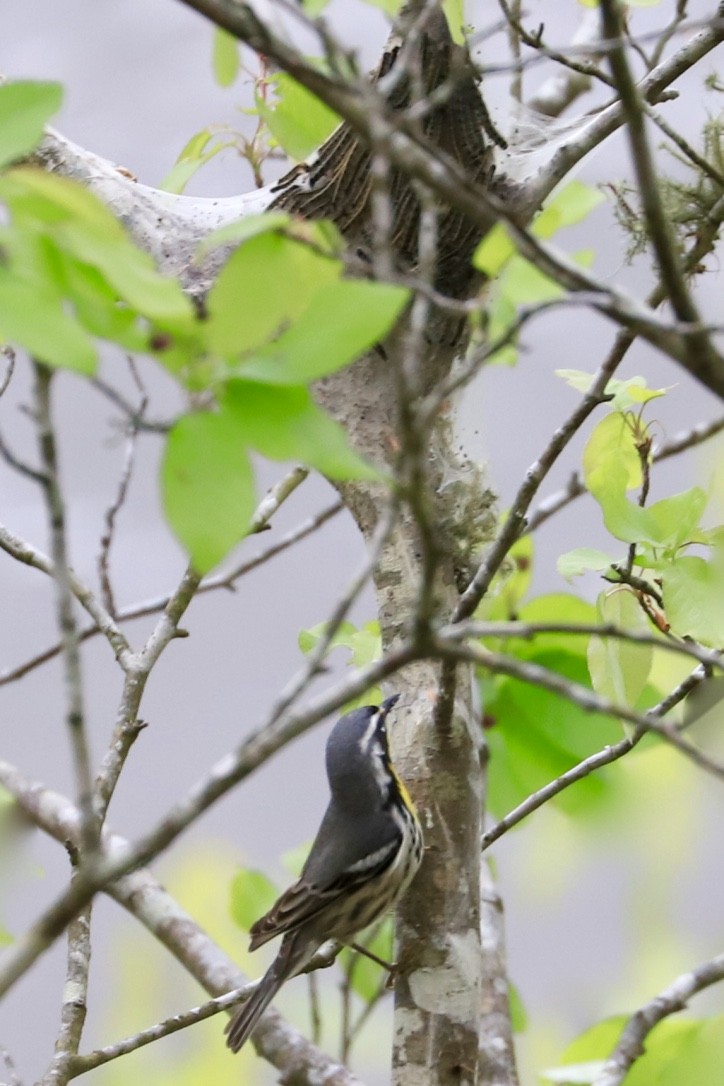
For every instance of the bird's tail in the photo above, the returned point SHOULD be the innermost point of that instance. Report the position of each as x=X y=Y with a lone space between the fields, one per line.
x=242 y=1025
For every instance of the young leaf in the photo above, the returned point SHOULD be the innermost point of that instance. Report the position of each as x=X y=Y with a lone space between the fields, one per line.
x=610 y=447
x=79 y=223
x=681 y=1052
x=510 y=585
x=234 y=233
x=33 y=316
x=364 y=644
x=392 y=7
x=582 y=560
x=626 y=394
x=693 y=591
x=252 y=894
x=454 y=11
x=266 y=283
x=494 y=251
x=567 y=207
x=535 y=735
x=620 y=669
x=283 y=423
x=199 y=150
x=299 y=121
x=342 y=321
x=26 y=107
x=208 y=485
x=225 y=57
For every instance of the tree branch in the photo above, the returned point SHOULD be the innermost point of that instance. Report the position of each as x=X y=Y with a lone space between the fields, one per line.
x=674 y=998
x=143 y=897
x=589 y=765
x=70 y=649
x=700 y=359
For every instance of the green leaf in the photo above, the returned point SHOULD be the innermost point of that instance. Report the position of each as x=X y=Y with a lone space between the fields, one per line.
x=534 y=735
x=234 y=233
x=251 y=895
x=681 y=1052
x=510 y=584
x=194 y=155
x=314 y=8
x=569 y=206
x=342 y=321
x=668 y=524
x=96 y=303
x=626 y=394
x=610 y=457
x=26 y=106
x=208 y=485
x=676 y=519
x=32 y=315
x=527 y=285
x=265 y=284
x=582 y=560
x=518 y=1013
x=226 y=61
x=299 y=121
x=364 y=645
x=693 y=591
x=283 y=423
x=620 y=669
x=81 y=225
x=6 y=939
x=632 y=393
x=392 y=7
x=454 y=11
x=494 y=251
x=595 y=1043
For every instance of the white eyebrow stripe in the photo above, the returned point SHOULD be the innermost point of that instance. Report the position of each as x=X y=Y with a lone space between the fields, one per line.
x=367 y=737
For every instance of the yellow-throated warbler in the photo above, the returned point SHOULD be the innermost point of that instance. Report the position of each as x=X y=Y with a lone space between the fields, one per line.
x=364 y=856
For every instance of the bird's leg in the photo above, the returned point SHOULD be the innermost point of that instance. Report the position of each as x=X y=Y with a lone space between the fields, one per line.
x=391 y=967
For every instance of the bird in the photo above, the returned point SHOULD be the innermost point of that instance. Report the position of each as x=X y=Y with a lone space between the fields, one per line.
x=365 y=855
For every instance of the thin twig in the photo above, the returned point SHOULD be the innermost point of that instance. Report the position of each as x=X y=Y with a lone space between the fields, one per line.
x=674 y=998
x=72 y=669
x=8 y=353
x=514 y=525
x=118 y=502
x=231 y=769
x=590 y=764
x=75 y=996
x=148 y=903
x=586 y=68
x=103 y=623
x=210 y=584
x=80 y=1065
x=528 y=630
x=127 y=726
x=657 y=221
x=575 y=487
x=583 y=696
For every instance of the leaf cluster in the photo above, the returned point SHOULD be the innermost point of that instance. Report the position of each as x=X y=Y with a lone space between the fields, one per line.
x=280 y=315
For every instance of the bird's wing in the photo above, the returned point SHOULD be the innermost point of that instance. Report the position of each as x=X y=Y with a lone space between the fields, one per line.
x=305 y=900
